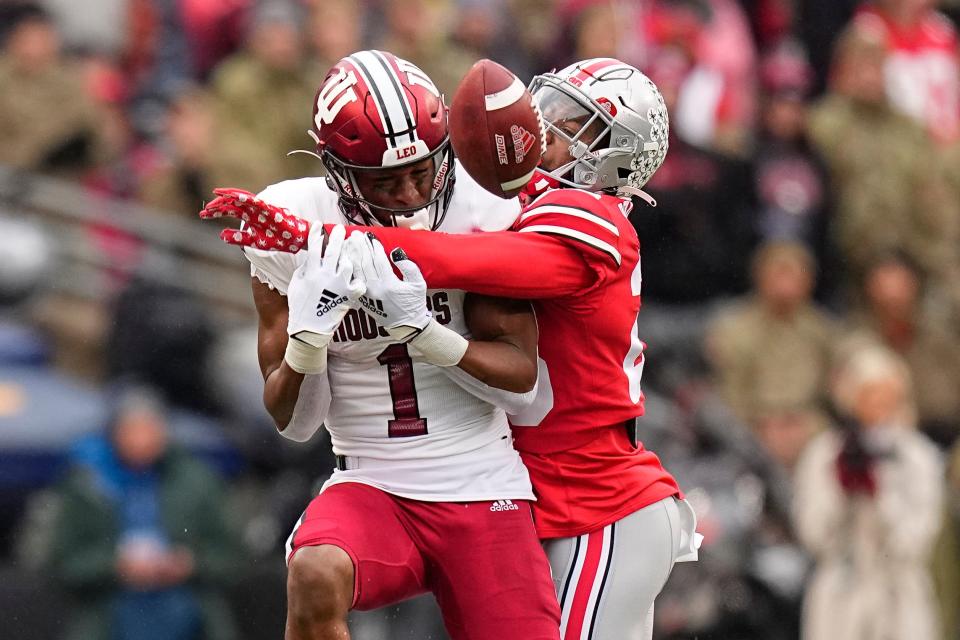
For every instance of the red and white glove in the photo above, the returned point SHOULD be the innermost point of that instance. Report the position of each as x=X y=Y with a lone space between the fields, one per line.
x=266 y=226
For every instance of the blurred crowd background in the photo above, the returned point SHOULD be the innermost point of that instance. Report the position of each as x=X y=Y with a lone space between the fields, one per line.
x=801 y=302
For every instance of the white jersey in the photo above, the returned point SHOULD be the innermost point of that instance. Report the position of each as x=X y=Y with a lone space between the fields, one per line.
x=406 y=426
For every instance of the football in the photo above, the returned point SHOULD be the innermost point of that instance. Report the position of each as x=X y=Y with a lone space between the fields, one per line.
x=496 y=129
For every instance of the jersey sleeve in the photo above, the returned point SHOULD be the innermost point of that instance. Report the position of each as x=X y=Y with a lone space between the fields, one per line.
x=580 y=220
x=274 y=268
x=312 y=408
x=497 y=263
x=496 y=214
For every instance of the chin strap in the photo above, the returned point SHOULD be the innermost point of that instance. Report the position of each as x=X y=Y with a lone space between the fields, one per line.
x=309 y=153
x=316 y=141
x=643 y=195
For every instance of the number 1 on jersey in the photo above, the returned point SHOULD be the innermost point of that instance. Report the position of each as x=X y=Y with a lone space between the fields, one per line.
x=403 y=392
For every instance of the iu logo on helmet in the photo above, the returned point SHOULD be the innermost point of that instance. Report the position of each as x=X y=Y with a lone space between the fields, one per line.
x=416 y=76
x=335 y=95
x=523 y=141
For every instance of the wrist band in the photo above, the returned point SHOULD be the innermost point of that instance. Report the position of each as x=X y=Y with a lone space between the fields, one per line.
x=303 y=358
x=439 y=345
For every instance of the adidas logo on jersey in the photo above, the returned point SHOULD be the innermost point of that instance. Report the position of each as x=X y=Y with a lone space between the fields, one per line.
x=504 y=505
x=329 y=301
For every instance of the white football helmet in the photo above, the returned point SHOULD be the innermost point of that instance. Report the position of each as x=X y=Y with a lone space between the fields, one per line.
x=625 y=111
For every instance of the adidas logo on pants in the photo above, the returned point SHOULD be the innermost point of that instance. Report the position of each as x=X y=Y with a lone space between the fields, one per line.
x=504 y=505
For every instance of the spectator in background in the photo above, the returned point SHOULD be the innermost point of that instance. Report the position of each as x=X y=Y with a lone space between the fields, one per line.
x=946 y=560
x=186 y=177
x=868 y=505
x=417 y=30
x=893 y=316
x=170 y=43
x=261 y=98
x=501 y=30
x=534 y=26
x=789 y=177
x=697 y=242
x=889 y=186
x=214 y=30
x=97 y=30
x=818 y=23
x=716 y=104
x=770 y=20
x=589 y=29
x=140 y=541
x=334 y=30
x=772 y=352
x=157 y=59
x=124 y=157
x=47 y=119
x=922 y=70
x=163 y=335
x=477 y=25
x=785 y=432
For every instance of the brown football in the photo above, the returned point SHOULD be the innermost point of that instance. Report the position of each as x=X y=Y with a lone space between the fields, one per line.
x=496 y=131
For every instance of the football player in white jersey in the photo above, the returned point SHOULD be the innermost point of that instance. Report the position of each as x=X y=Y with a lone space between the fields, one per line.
x=429 y=493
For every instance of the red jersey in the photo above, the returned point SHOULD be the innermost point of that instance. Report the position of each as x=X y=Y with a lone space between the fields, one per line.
x=921 y=69
x=588 y=340
x=576 y=255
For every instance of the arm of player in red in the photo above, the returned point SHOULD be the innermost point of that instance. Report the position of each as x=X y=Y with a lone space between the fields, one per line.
x=496 y=263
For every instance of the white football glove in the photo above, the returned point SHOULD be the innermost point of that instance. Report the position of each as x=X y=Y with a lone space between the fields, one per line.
x=320 y=293
x=400 y=305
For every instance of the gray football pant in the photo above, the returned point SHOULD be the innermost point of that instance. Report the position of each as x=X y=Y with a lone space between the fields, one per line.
x=607 y=580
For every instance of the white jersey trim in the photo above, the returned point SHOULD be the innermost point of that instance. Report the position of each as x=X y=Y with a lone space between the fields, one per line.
x=576 y=235
x=438 y=497
x=571 y=211
x=261 y=275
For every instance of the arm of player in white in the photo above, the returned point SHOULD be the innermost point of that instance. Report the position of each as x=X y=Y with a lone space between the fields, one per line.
x=506 y=400
x=313 y=405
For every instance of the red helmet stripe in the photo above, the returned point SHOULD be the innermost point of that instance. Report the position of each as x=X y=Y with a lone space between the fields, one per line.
x=590 y=70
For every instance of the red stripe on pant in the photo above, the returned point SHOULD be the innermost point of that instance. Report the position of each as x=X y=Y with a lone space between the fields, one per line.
x=581 y=597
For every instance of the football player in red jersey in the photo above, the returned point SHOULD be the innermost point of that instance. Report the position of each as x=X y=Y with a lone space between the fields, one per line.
x=613 y=521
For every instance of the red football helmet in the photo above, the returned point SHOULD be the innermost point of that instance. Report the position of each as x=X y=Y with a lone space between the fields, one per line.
x=377 y=111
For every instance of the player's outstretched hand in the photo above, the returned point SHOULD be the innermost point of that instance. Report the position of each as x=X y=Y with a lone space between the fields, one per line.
x=266 y=226
x=399 y=304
